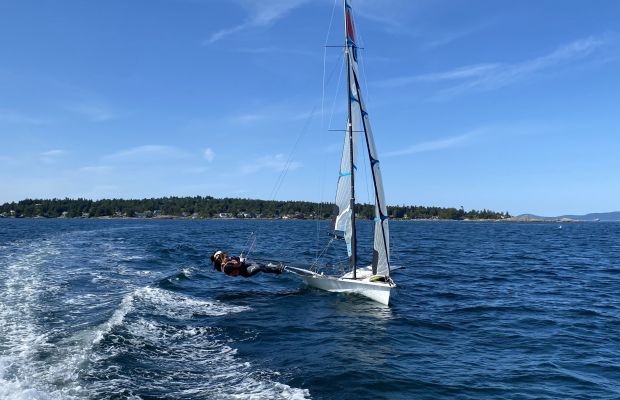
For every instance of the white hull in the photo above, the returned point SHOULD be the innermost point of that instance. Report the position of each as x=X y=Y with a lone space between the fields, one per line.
x=377 y=291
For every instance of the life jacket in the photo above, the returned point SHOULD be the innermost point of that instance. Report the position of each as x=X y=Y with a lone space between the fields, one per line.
x=233 y=267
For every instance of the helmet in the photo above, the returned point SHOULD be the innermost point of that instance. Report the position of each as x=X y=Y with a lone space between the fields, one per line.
x=217 y=253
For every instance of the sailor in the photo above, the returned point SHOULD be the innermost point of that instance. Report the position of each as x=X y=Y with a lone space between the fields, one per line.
x=235 y=266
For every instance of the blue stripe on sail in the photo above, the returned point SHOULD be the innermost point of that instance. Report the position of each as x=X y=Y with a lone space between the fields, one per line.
x=373 y=161
x=353 y=98
x=364 y=113
x=379 y=219
x=347 y=173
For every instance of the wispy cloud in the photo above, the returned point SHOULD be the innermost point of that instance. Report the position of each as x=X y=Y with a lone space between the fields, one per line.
x=272 y=50
x=261 y=14
x=278 y=111
x=51 y=156
x=209 y=154
x=488 y=131
x=94 y=112
x=14 y=117
x=275 y=163
x=446 y=38
x=386 y=13
x=150 y=151
x=470 y=71
x=492 y=76
x=332 y=147
x=96 y=169
x=434 y=145
x=53 y=153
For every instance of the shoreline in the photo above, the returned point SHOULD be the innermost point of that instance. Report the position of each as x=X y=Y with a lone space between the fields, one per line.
x=174 y=217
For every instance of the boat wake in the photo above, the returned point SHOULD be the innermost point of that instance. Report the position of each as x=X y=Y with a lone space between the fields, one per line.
x=68 y=333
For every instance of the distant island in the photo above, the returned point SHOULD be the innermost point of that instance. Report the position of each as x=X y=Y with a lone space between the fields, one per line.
x=199 y=207
x=592 y=217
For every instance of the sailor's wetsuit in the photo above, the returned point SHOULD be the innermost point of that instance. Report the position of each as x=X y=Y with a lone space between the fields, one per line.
x=234 y=266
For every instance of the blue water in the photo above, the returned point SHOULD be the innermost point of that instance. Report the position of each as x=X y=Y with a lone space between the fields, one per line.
x=108 y=309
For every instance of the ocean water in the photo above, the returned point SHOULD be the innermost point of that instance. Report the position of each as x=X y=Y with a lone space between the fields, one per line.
x=115 y=309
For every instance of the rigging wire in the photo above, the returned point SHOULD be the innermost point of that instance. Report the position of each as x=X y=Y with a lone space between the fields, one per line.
x=249 y=246
x=322 y=173
x=289 y=160
x=331 y=117
x=304 y=130
x=363 y=72
x=329 y=29
x=281 y=177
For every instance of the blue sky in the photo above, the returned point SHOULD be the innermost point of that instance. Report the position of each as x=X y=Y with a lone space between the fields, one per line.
x=511 y=106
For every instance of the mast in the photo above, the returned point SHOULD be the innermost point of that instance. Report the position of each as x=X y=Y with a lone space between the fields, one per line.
x=353 y=259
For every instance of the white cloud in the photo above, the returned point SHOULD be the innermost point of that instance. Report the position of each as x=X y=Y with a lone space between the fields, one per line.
x=53 y=153
x=275 y=163
x=333 y=147
x=14 y=117
x=51 y=156
x=470 y=71
x=388 y=13
x=279 y=111
x=492 y=76
x=248 y=118
x=445 y=38
x=209 y=154
x=276 y=50
x=96 y=169
x=94 y=112
x=492 y=130
x=434 y=145
x=262 y=14
x=149 y=151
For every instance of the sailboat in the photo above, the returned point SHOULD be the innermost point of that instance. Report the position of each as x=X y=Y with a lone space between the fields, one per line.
x=371 y=281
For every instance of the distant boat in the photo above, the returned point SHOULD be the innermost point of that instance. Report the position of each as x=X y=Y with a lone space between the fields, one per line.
x=597 y=219
x=372 y=281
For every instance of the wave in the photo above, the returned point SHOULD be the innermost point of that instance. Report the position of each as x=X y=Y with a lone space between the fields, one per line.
x=37 y=362
x=193 y=360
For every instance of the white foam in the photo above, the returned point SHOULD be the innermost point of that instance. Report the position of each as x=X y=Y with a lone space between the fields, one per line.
x=22 y=375
x=177 y=306
x=116 y=319
x=187 y=352
x=34 y=275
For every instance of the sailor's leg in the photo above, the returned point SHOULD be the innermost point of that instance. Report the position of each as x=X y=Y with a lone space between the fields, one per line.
x=254 y=269
x=251 y=270
x=271 y=268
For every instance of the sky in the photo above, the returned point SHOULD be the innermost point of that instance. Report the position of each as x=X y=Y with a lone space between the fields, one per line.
x=503 y=105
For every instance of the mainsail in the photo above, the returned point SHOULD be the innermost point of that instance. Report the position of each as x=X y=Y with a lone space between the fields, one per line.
x=359 y=122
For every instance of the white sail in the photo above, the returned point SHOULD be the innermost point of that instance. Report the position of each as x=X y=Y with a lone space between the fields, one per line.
x=344 y=213
x=381 y=252
x=381 y=248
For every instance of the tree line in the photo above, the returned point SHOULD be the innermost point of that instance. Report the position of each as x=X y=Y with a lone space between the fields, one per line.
x=210 y=207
